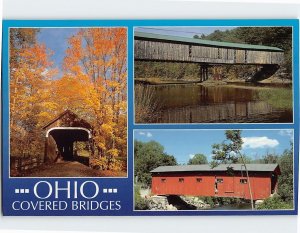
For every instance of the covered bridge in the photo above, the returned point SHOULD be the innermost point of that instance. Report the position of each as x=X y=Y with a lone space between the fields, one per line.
x=156 y=47
x=62 y=132
x=222 y=181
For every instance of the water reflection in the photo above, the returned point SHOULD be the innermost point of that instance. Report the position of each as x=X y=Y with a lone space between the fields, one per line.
x=197 y=104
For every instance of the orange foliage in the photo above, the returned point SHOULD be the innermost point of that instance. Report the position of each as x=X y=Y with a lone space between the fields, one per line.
x=93 y=85
x=31 y=102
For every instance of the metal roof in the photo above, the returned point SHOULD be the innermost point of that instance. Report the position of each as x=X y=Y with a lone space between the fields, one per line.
x=221 y=167
x=205 y=42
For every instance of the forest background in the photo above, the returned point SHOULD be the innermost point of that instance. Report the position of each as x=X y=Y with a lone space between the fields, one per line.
x=92 y=83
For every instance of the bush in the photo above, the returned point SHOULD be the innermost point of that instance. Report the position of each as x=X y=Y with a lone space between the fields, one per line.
x=208 y=200
x=213 y=201
x=275 y=203
x=139 y=202
x=105 y=163
x=99 y=163
x=114 y=164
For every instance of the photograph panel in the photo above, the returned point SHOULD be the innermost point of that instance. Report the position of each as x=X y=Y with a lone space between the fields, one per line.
x=213 y=170
x=213 y=75
x=68 y=102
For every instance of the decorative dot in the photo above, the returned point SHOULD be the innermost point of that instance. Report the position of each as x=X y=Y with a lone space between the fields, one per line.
x=17 y=190
x=115 y=190
x=26 y=190
x=104 y=190
x=110 y=190
x=22 y=190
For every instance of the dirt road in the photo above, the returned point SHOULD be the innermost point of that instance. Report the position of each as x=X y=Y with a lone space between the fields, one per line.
x=71 y=169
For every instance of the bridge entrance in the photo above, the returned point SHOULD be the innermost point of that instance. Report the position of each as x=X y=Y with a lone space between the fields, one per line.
x=68 y=137
x=61 y=139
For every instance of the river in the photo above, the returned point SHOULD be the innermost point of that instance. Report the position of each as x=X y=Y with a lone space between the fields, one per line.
x=241 y=206
x=233 y=103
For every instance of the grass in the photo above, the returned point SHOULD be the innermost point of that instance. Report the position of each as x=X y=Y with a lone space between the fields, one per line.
x=145 y=104
x=281 y=98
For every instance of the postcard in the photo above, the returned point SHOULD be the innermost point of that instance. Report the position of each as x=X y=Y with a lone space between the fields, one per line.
x=150 y=117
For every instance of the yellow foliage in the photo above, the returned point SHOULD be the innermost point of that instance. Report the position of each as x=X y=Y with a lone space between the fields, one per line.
x=93 y=85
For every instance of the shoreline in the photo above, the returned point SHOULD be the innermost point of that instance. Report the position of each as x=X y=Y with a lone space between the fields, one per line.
x=222 y=83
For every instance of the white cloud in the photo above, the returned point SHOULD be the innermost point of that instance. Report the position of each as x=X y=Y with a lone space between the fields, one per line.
x=147 y=134
x=287 y=132
x=191 y=156
x=259 y=142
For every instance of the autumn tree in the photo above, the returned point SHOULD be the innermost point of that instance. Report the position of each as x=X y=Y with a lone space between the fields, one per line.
x=94 y=86
x=30 y=94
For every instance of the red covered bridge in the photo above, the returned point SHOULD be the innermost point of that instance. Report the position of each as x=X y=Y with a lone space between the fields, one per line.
x=222 y=181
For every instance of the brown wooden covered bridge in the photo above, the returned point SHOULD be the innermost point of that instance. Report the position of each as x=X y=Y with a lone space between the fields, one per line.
x=60 y=135
x=155 y=47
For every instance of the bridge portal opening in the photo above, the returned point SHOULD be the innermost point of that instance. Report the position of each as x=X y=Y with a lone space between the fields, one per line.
x=60 y=143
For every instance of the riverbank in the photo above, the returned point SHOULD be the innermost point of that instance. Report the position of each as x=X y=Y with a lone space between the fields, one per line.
x=174 y=202
x=210 y=82
x=155 y=81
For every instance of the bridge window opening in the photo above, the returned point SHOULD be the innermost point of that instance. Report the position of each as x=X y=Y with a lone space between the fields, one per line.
x=219 y=54
x=246 y=56
x=220 y=180
x=243 y=181
x=199 y=180
x=181 y=180
x=234 y=55
x=190 y=50
x=163 y=180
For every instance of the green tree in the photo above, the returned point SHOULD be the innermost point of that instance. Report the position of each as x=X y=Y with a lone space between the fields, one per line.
x=148 y=156
x=245 y=159
x=229 y=151
x=198 y=159
x=285 y=180
x=280 y=37
x=270 y=158
x=274 y=203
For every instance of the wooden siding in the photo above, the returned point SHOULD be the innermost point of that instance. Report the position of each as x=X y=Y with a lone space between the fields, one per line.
x=179 y=52
x=169 y=184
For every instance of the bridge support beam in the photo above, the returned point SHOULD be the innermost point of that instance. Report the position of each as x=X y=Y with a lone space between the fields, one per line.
x=203 y=73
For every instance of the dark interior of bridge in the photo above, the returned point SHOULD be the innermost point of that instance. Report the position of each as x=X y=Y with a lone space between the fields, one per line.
x=65 y=139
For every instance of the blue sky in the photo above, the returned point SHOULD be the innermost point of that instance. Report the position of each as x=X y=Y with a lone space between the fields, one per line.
x=56 y=39
x=183 y=144
x=182 y=31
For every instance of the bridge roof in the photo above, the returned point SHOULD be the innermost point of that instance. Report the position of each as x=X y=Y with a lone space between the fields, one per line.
x=221 y=167
x=186 y=40
x=72 y=120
